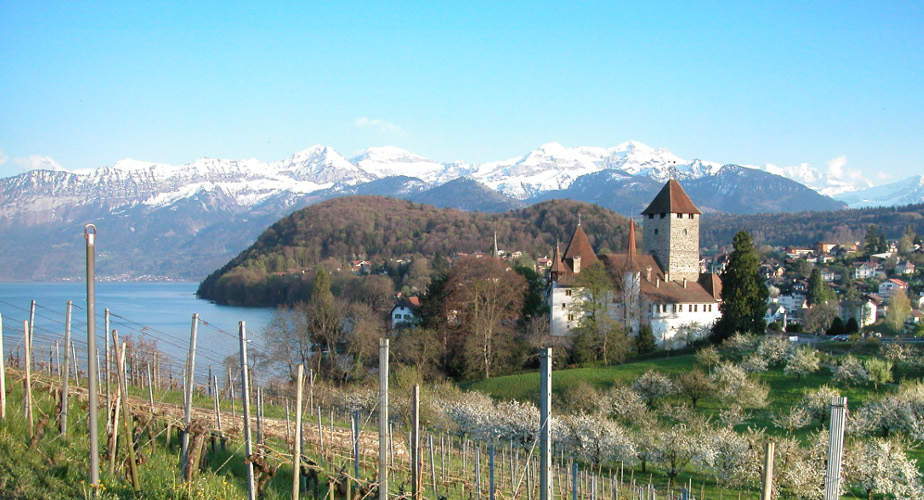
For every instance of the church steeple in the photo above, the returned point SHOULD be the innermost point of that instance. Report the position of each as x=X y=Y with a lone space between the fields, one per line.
x=630 y=250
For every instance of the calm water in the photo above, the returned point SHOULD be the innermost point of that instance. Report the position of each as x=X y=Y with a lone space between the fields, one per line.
x=161 y=312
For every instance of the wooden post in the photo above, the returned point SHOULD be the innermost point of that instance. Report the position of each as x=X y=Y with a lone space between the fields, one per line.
x=384 y=435
x=491 y=483
x=113 y=443
x=432 y=466
x=65 y=389
x=27 y=388
x=188 y=391
x=245 y=395
x=415 y=444
x=545 y=431
x=76 y=366
x=217 y=399
x=231 y=388
x=297 y=442
x=108 y=356
x=127 y=440
x=31 y=333
x=150 y=390
x=2 y=375
x=766 y=485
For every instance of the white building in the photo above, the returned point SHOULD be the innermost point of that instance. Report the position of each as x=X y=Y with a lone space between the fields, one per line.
x=661 y=288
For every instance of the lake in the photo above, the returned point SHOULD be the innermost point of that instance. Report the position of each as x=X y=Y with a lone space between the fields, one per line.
x=153 y=311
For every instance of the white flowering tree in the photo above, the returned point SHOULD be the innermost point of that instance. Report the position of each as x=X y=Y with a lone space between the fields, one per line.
x=775 y=350
x=799 y=470
x=850 y=370
x=817 y=402
x=740 y=345
x=676 y=446
x=653 y=385
x=625 y=404
x=754 y=363
x=880 y=466
x=596 y=440
x=803 y=361
x=733 y=458
x=899 y=412
x=733 y=385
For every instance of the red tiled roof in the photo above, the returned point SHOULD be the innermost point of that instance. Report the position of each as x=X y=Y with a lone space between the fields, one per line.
x=580 y=247
x=672 y=199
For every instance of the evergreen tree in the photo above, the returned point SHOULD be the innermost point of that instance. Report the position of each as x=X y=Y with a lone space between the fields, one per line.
x=852 y=326
x=744 y=294
x=818 y=291
x=644 y=341
x=837 y=327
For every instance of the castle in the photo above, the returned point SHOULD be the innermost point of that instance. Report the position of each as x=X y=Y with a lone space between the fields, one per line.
x=662 y=287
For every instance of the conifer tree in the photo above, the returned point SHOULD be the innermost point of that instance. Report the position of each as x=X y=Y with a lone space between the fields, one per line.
x=744 y=294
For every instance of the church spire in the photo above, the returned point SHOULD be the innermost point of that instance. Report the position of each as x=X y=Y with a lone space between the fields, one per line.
x=630 y=251
x=496 y=251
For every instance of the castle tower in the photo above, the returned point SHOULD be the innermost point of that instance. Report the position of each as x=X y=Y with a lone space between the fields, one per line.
x=671 y=232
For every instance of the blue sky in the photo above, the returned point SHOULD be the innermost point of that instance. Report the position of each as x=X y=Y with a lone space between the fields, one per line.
x=89 y=83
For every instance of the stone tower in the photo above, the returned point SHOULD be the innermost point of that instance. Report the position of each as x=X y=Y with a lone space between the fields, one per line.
x=671 y=233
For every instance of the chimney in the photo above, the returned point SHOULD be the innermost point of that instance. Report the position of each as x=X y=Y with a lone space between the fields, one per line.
x=658 y=283
x=684 y=282
x=648 y=273
x=577 y=264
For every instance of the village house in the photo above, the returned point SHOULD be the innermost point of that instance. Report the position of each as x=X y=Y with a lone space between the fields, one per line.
x=887 y=288
x=661 y=288
x=405 y=312
x=866 y=270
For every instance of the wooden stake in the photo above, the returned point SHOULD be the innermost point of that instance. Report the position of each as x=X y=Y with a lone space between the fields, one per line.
x=65 y=390
x=245 y=395
x=297 y=442
x=27 y=388
x=126 y=424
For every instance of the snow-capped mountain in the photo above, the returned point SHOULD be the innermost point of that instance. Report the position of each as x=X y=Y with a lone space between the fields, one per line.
x=185 y=220
x=904 y=192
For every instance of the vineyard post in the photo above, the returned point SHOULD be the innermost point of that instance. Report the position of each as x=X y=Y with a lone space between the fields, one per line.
x=432 y=467
x=384 y=434
x=27 y=388
x=835 y=448
x=545 y=434
x=288 y=423
x=766 y=485
x=297 y=442
x=150 y=390
x=415 y=443
x=356 y=446
x=491 y=473
x=574 y=480
x=217 y=399
x=2 y=375
x=245 y=394
x=127 y=440
x=231 y=390
x=113 y=412
x=76 y=367
x=188 y=390
x=478 y=469
x=58 y=360
x=91 y=347
x=108 y=357
x=67 y=358
x=30 y=358
x=320 y=432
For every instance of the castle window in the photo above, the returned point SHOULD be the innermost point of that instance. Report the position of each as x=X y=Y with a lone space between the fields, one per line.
x=663 y=215
x=679 y=216
x=570 y=317
x=695 y=307
x=568 y=293
x=656 y=230
x=675 y=308
x=651 y=216
x=563 y=306
x=691 y=216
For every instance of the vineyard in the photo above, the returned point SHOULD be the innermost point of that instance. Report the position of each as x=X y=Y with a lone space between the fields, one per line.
x=167 y=433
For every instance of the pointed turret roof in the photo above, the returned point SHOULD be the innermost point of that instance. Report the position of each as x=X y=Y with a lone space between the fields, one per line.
x=630 y=248
x=580 y=247
x=672 y=199
x=556 y=261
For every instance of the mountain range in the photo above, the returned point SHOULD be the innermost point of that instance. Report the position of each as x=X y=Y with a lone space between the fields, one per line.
x=159 y=220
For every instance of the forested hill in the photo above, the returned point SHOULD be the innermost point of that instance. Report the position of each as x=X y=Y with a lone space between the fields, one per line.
x=806 y=228
x=378 y=229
